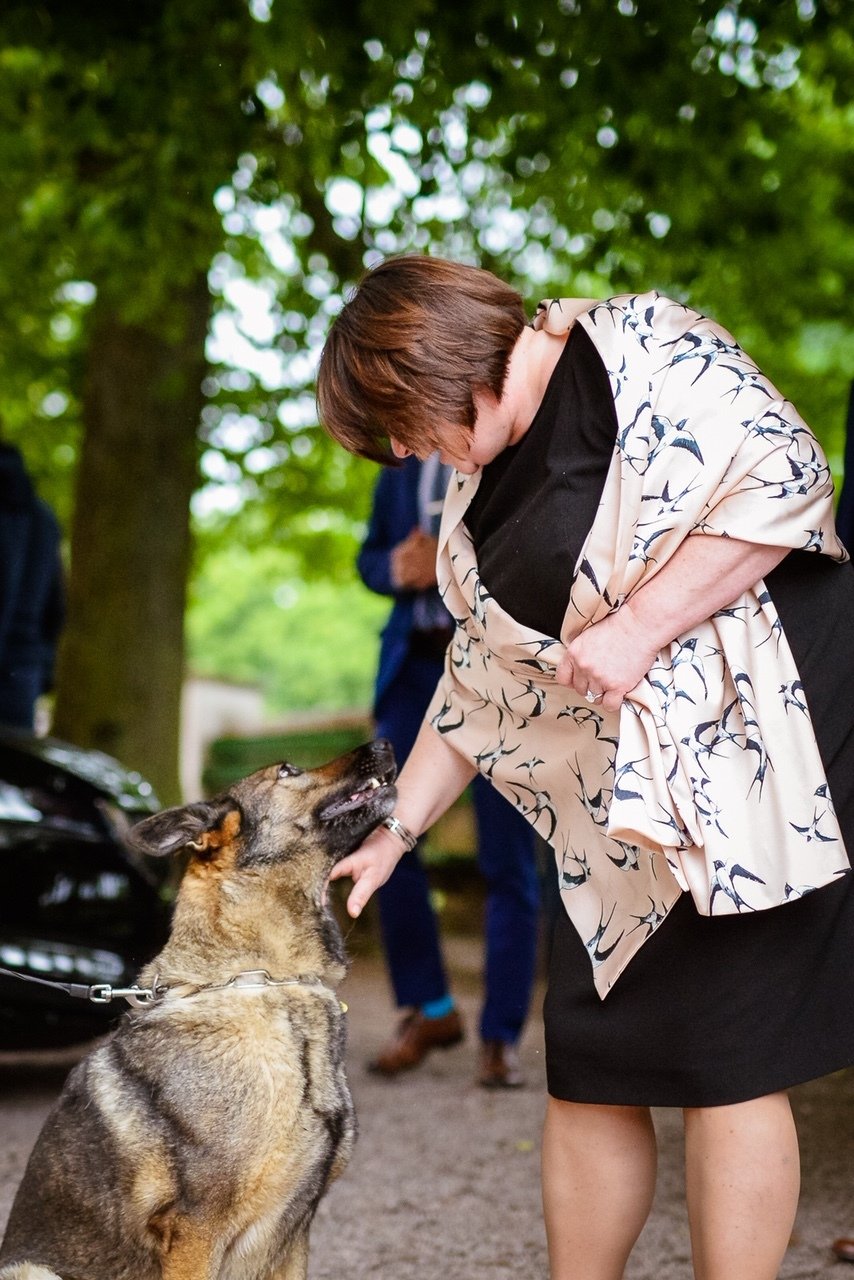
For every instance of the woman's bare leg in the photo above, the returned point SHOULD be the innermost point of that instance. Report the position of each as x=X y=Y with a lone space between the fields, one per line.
x=599 y=1166
x=742 y=1178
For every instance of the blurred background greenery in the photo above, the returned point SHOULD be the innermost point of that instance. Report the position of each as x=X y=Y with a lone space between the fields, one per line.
x=192 y=186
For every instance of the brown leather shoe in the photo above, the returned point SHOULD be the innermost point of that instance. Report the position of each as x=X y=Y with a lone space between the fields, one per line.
x=413 y=1040
x=844 y=1249
x=499 y=1066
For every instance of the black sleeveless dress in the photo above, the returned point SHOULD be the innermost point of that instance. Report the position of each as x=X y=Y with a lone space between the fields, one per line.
x=711 y=1010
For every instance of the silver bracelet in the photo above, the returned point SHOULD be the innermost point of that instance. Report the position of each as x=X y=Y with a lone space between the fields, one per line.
x=397 y=828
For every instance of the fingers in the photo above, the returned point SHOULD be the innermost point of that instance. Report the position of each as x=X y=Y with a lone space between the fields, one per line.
x=341 y=869
x=364 y=887
x=347 y=867
x=413 y=567
x=570 y=673
x=613 y=700
x=565 y=671
x=595 y=667
x=366 y=877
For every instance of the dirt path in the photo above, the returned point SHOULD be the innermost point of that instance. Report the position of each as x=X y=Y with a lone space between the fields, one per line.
x=444 y=1184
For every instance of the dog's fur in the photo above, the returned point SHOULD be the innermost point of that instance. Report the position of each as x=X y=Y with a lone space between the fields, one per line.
x=197 y=1142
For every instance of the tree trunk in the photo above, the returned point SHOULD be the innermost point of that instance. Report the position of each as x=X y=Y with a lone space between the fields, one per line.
x=122 y=659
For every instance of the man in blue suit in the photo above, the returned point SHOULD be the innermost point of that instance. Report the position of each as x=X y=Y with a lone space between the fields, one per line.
x=398 y=559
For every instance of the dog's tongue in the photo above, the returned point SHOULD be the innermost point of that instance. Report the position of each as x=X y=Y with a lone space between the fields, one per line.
x=346 y=804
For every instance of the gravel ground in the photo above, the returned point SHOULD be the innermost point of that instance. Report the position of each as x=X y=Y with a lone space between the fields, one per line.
x=444 y=1184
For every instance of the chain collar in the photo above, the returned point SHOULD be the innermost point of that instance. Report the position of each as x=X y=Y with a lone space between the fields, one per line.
x=247 y=980
x=145 y=997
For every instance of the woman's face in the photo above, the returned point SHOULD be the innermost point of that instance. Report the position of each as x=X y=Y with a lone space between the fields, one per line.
x=464 y=450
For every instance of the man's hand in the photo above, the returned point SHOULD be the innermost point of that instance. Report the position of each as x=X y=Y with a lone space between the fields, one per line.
x=413 y=562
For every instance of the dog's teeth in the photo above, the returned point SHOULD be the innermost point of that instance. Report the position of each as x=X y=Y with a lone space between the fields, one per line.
x=373 y=783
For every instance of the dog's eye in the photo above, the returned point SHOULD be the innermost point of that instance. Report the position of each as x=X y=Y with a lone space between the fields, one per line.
x=288 y=770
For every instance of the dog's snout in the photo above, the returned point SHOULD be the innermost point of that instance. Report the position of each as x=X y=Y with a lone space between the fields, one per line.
x=383 y=756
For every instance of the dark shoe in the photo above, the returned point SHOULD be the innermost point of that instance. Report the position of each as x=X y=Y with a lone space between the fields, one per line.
x=499 y=1066
x=414 y=1038
x=844 y=1249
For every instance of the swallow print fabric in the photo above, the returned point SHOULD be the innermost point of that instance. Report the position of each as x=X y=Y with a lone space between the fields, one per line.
x=708 y=780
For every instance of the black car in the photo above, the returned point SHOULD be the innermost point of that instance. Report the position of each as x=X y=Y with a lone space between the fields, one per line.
x=76 y=904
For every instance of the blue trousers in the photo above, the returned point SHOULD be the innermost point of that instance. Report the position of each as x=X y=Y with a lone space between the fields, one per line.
x=506 y=856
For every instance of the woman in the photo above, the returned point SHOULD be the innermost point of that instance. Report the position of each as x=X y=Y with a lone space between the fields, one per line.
x=653 y=660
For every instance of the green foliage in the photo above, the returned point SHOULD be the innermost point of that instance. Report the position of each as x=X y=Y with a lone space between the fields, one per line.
x=307 y=746
x=704 y=149
x=254 y=618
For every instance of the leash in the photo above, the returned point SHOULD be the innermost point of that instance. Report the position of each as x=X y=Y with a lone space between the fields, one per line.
x=142 y=997
x=97 y=993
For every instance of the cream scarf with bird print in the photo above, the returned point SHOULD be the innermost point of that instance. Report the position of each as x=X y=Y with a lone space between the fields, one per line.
x=708 y=780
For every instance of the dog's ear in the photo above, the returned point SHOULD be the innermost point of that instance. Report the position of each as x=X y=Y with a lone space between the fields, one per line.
x=199 y=828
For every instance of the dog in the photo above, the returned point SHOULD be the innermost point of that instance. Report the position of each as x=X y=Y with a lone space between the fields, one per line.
x=196 y=1143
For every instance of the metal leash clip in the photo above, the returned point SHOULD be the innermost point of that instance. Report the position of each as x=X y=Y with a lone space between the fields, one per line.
x=103 y=993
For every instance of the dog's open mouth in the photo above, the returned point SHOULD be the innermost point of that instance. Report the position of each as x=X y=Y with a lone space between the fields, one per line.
x=374 y=788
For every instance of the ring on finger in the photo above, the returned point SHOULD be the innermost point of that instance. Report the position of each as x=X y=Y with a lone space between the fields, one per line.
x=590 y=696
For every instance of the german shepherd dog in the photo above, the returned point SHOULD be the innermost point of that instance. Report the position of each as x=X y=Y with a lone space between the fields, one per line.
x=196 y=1143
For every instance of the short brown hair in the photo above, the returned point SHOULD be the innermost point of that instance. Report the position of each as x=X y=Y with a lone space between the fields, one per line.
x=409 y=350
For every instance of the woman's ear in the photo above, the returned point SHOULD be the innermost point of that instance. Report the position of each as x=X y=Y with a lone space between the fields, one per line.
x=195 y=827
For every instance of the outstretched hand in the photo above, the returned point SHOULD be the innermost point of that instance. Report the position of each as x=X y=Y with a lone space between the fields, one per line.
x=369 y=867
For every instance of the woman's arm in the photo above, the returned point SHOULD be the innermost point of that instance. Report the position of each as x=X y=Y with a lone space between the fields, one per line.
x=431 y=780
x=704 y=575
